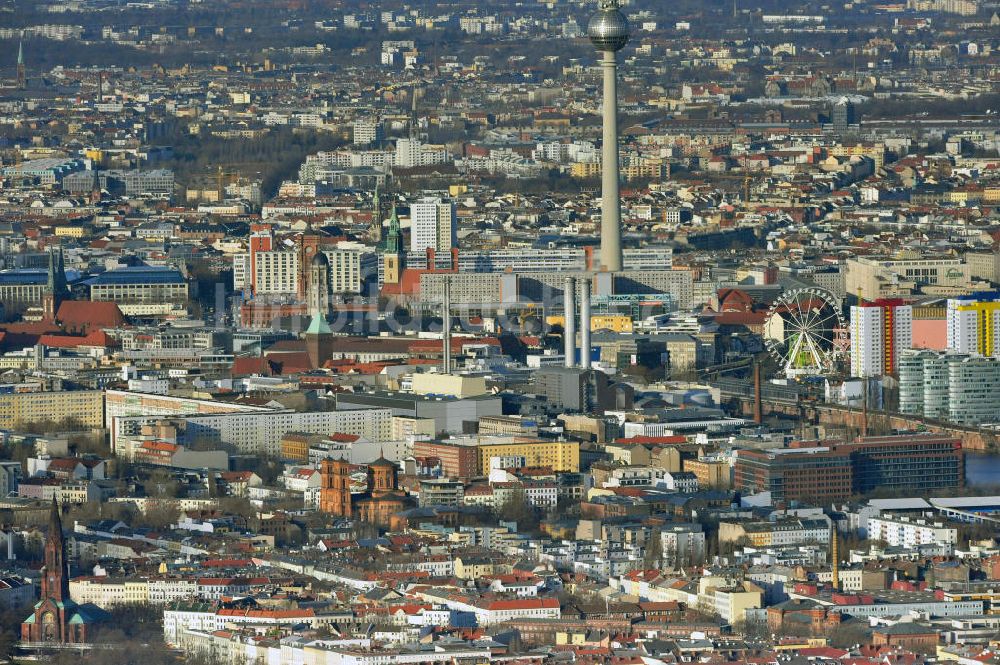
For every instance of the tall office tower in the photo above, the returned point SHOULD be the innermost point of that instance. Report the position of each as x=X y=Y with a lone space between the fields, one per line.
x=880 y=331
x=609 y=31
x=974 y=323
x=260 y=241
x=22 y=74
x=843 y=115
x=432 y=225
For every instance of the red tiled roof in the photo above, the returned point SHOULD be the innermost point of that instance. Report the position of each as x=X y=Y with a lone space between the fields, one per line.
x=248 y=365
x=226 y=563
x=63 y=464
x=88 y=314
x=741 y=318
x=409 y=284
x=96 y=338
x=160 y=445
x=230 y=476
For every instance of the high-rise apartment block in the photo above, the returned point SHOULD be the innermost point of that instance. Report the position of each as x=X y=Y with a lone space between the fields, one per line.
x=271 y=268
x=974 y=323
x=880 y=331
x=432 y=225
x=368 y=131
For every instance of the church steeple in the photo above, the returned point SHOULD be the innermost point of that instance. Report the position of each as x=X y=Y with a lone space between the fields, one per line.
x=61 y=273
x=376 y=228
x=56 y=618
x=22 y=78
x=55 y=582
x=394 y=237
x=50 y=285
x=55 y=287
x=393 y=254
x=319 y=340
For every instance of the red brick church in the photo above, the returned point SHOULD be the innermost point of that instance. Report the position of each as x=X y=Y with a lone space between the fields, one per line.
x=56 y=618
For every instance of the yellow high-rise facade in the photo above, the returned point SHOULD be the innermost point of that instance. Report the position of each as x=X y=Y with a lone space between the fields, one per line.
x=974 y=324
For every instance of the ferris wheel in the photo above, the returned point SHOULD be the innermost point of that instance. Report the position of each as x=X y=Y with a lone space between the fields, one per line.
x=804 y=330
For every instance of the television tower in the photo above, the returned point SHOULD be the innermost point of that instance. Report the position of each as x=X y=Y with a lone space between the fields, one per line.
x=608 y=31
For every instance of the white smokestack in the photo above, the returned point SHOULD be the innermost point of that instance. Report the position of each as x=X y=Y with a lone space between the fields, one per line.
x=446 y=323
x=569 y=321
x=585 y=322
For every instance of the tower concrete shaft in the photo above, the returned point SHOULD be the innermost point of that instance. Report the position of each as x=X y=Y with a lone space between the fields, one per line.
x=569 y=321
x=611 y=218
x=585 y=322
x=446 y=329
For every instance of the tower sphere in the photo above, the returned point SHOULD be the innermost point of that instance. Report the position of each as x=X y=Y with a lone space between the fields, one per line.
x=608 y=28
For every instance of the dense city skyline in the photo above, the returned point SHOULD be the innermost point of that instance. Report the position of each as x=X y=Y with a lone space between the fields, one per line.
x=610 y=332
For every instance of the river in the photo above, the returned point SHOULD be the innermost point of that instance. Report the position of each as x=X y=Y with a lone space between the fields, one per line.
x=982 y=469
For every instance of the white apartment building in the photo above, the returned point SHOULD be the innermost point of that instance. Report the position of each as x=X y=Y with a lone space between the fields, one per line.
x=541 y=493
x=276 y=272
x=973 y=324
x=880 y=331
x=300 y=478
x=368 y=131
x=346 y=268
x=260 y=433
x=534 y=259
x=326 y=652
x=682 y=544
x=907 y=532
x=105 y=592
x=432 y=225
x=178 y=619
x=411 y=153
x=171 y=590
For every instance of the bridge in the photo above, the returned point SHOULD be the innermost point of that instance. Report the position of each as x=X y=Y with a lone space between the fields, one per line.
x=788 y=401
